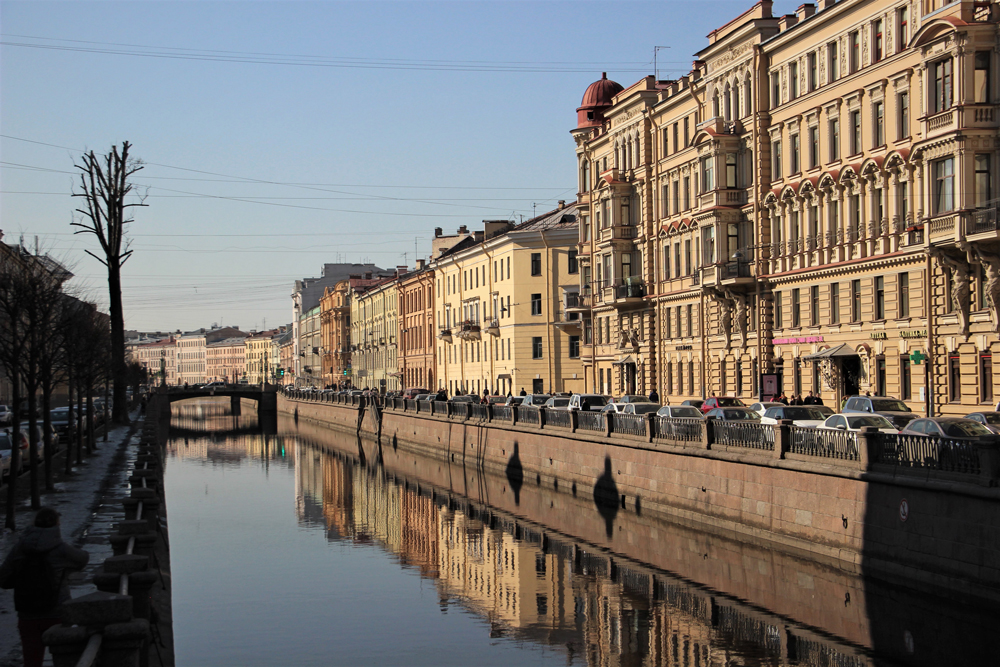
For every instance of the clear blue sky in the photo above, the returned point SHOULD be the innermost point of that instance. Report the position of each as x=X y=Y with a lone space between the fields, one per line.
x=282 y=135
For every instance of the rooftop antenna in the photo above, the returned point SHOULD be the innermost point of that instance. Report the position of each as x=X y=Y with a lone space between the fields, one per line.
x=656 y=49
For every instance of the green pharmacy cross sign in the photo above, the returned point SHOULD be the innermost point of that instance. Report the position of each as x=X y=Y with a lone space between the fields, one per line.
x=917 y=357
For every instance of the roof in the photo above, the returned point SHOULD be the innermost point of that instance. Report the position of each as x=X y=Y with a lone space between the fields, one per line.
x=560 y=218
x=228 y=342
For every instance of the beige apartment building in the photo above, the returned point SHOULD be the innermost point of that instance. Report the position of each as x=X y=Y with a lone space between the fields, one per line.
x=417 y=335
x=225 y=360
x=374 y=327
x=502 y=317
x=159 y=360
x=260 y=363
x=811 y=208
x=191 y=351
x=335 y=333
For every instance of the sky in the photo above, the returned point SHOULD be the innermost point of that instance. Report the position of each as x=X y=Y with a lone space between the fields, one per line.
x=279 y=136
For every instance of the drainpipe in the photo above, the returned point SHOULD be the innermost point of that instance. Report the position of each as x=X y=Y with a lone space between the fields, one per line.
x=552 y=308
x=928 y=370
x=702 y=330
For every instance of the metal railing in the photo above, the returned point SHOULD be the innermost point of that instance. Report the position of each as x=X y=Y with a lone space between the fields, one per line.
x=559 y=418
x=503 y=413
x=823 y=443
x=677 y=428
x=527 y=414
x=588 y=420
x=409 y=405
x=439 y=407
x=914 y=451
x=743 y=434
x=984 y=219
x=480 y=412
x=628 y=424
x=630 y=290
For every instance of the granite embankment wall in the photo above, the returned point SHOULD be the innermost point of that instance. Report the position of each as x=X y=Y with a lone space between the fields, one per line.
x=948 y=535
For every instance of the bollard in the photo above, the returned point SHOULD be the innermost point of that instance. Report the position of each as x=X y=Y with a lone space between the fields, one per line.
x=144 y=544
x=66 y=644
x=124 y=643
x=866 y=447
x=782 y=437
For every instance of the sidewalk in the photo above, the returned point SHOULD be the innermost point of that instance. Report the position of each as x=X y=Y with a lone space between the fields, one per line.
x=88 y=503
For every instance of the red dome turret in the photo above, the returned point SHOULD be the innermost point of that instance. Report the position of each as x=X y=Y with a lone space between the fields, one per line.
x=596 y=100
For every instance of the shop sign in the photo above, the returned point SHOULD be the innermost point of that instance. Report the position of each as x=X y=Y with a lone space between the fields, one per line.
x=913 y=333
x=796 y=341
x=683 y=347
x=878 y=335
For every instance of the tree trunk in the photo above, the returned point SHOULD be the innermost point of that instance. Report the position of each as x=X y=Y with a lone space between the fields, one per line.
x=119 y=370
x=36 y=500
x=50 y=484
x=70 y=425
x=79 y=422
x=10 y=522
x=91 y=440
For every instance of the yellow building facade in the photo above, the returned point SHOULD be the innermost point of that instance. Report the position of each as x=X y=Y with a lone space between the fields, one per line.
x=811 y=208
x=374 y=325
x=501 y=314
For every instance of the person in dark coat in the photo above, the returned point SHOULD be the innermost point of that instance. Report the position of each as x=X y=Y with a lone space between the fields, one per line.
x=523 y=392
x=653 y=396
x=441 y=395
x=42 y=538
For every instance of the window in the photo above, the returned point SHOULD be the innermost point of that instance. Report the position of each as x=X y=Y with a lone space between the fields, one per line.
x=731 y=170
x=986 y=378
x=877 y=43
x=813 y=147
x=834 y=139
x=902 y=28
x=855 y=132
x=944 y=185
x=955 y=378
x=903 y=101
x=904 y=295
x=687 y=257
x=536 y=263
x=941 y=85
x=677 y=197
x=880 y=379
x=796 y=322
x=983 y=179
x=690 y=320
x=776 y=159
x=775 y=89
x=707 y=180
x=574 y=347
x=676 y=142
x=666 y=143
x=793 y=80
x=981 y=78
x=666 y=262
x=687 y=192
x=855 y=300
x=777 y=311
x=854 y=45
x=677 y=260
x=687 y=132
x=905 y=392
x=835 y=303
x=795 y=154
x=813 y=74
x=588 y=332
x=573 y=266
x=536 y=304
x=833 y=61
x=879 y=298
x=814 y=305
x=878 y=113
x=536 y=347
x=665 y=200
x=667 y=325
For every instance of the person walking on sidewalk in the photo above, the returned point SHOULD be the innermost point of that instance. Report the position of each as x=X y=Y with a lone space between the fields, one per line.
x=36 y=569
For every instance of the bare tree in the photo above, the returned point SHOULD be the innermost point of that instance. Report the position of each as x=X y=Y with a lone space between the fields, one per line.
x=105 y=186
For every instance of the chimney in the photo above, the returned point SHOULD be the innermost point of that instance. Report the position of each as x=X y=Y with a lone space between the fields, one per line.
x=787 y=21
x=437 y=232
x=826 y=4
x=368 y=275
x=401 y=269
x=420 y=264
x=562 y=204
x=805 y=11
x=479 y=236
x=463 y=229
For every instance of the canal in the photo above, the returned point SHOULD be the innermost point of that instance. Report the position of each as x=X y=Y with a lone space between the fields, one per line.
x=290 y=546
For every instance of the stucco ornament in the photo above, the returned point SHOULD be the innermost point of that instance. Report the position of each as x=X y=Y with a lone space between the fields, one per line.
x=960 y=288
x=991 y=263
x=739 y=302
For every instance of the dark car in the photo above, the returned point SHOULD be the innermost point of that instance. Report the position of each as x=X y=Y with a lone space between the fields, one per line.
x=63 y=421
x=464 y=398
x=720 y=402
x=990 y=420
x=892 y=409
x=733 y=414
x=951 y=428
x=413 y=391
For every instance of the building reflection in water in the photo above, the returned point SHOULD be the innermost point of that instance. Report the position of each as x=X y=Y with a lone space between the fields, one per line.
x=532 y=583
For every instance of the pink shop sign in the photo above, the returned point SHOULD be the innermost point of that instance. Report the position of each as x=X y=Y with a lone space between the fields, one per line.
x=796 y=341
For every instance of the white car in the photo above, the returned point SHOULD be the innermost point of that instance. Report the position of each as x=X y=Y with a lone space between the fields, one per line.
x=557 y=403
x=680 y=412
x=801 y=415
x=631 y=408
x=593 y=402
x=854 y=422
x=761 y=408
x=5 y=415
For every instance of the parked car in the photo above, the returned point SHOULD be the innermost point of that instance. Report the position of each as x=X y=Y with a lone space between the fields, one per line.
x=721 y=402
x=6 y=452
x=694 y=402
x=632 y=398
x=497 y=400
x=855 y=422
x=952 y=428
x=424 y=397
x=535 y=400
x=990 y=420
x=761 y=408
x=631 y=408
x=63 y=421
x=892 y=409
x=593 y=402
x=412 y=392
x=557 y=403
x=215 y=385
x=514 y=400
x=464 y=398
x=733 y=414
x=801 y=415
x=5 y=414
x=680 y=412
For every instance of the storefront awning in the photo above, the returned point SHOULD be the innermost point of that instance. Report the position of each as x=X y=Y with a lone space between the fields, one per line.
x=504 y=376
x=842 y=350
x=624 y=362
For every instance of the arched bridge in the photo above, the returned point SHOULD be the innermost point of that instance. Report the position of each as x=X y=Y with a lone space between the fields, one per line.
x=266 y=396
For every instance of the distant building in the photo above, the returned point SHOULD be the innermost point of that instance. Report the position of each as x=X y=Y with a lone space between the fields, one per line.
x=374 y=327
x=159 y=359
x=225 y=360
x=417 y=334
x=191 y=352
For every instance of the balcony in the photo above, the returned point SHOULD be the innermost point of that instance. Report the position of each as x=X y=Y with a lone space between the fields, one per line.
x=445 y=334
x=733 y=197
x=626 y=233
x=469 y=330
x=494 y=328
x=631 y=289
x=974 y=116
x=727 y=273
x=579 y=303
x=984 y=223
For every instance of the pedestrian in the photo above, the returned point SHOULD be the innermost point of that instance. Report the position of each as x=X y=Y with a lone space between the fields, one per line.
x=523 y=392
x=36 y=569
x=441 y=395
x=781 y=399
x=142 y=405
x=653 y=396
x=817 y=400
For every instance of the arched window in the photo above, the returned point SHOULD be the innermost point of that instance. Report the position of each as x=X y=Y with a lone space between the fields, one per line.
x=736 y=101
x=727 y=114
x=715 y=105
x=747 y=96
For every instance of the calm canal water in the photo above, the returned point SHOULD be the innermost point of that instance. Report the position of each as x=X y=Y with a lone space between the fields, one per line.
x=295 y=548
